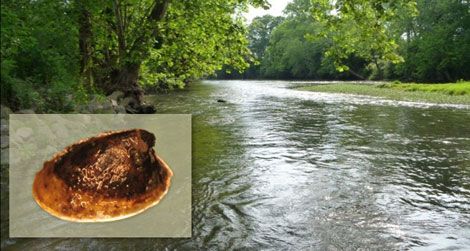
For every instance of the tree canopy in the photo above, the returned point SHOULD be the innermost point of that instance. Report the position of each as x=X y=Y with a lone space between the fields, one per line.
x=54 y=48
x=435 y=44
x=39 y=54
x=420 y=40
x=360 y=28
x=56 y=53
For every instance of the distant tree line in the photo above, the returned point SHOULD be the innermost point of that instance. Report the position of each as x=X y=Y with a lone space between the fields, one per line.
x=422 y=41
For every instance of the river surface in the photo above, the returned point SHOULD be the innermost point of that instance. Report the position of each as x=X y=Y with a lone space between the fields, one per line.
x=277 y=168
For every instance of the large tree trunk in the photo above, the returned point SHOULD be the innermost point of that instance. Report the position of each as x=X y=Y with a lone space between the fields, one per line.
x=126 y=80
x=113 y=76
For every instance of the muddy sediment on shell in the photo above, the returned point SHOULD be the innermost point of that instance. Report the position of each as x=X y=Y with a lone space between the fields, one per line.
x=111 y=176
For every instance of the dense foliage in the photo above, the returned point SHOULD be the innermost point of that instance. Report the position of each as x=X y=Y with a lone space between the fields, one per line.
x=291 y=55
x=39 y=54
x=424 y=40
x=435 y=44
x=55 y=53
x=359 y=28
x=198 y=38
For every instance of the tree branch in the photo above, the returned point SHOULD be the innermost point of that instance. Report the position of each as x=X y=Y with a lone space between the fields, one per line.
x=356 y=74
x=156 y=14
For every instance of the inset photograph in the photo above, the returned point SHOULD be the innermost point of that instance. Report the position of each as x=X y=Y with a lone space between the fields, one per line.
x=100 y=175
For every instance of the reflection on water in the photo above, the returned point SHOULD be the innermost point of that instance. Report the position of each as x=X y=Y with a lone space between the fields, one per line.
x=275 y=167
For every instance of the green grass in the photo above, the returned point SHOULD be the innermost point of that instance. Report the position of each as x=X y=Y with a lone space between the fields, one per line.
x=458 y=93
x=462 y=88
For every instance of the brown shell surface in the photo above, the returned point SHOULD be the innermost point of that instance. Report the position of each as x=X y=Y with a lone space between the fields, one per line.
x=112 y=176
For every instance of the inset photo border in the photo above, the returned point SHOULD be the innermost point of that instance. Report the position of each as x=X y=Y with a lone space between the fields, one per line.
x=36 y=138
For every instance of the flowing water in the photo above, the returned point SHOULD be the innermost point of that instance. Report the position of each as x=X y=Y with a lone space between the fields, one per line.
x=277 y=168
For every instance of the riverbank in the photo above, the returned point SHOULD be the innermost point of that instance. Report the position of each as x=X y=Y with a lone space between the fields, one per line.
x=433 y=93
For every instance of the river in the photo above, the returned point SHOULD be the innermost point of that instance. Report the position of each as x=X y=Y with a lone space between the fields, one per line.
x=277 y=168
